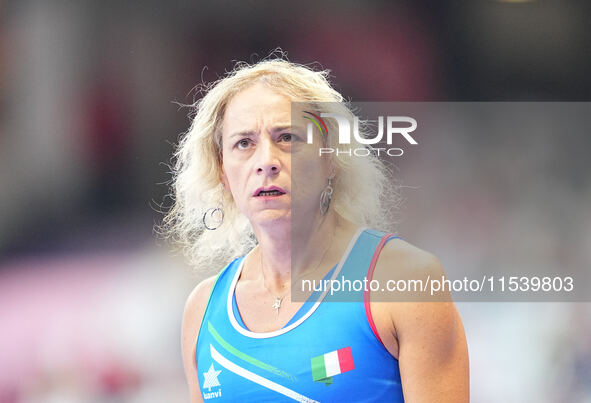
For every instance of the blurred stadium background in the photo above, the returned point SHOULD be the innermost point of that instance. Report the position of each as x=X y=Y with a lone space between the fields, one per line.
x=91 y=301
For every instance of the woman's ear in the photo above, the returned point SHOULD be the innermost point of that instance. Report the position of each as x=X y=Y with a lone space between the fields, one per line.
x=224 y=179
x=332 y=170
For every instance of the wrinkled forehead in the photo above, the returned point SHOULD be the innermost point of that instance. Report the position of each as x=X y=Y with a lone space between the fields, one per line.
x=256 y=108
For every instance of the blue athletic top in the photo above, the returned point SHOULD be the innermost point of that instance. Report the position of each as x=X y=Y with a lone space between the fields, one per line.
x=329 y=351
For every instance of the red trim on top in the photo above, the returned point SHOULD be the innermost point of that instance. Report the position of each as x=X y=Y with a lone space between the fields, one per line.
x=366 y=294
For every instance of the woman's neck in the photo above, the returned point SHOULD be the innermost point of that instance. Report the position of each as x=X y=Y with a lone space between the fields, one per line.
x=292 y=250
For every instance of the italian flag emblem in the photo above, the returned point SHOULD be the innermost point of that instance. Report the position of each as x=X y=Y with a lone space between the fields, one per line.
x=325 y=366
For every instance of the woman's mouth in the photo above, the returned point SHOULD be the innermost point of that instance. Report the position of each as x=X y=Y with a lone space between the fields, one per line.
x=273 y=191
x=269 y=193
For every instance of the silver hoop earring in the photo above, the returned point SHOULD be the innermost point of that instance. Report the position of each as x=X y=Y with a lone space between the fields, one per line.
x=325 y=198
x=213 y=211
x=216 y=214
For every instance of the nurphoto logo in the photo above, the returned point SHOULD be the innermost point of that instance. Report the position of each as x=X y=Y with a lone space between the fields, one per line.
x=392 y=128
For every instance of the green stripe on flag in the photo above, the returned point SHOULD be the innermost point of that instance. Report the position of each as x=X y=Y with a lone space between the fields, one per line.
x=318 y=368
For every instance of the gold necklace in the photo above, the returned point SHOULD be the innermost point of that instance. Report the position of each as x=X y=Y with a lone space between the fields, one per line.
x=278 y=300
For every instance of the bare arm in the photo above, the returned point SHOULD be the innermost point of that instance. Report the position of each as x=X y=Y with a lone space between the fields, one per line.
x=192 y=317
x=427 y=337
x=433 y=355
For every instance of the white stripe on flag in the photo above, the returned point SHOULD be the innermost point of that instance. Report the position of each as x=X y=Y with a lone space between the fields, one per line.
x=331 y=362
x=229 y=365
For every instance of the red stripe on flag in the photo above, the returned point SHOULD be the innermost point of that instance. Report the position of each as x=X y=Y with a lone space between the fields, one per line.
x=345 y=359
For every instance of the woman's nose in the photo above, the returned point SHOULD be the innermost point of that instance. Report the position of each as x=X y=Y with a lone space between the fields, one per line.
x=268 y=161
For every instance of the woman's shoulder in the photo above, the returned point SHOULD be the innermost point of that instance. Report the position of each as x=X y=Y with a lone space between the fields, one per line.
x=199 y=296
x=402 y=259
x=403 y=255
x=197 y=302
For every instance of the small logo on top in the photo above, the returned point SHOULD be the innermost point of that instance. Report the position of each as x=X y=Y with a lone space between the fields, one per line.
x=211 y=381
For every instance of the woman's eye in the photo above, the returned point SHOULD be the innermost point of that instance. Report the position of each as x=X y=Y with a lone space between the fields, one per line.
x=244 y=143
x=287 y=137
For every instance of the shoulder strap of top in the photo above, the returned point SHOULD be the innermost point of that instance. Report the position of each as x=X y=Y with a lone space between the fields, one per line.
x=366 y=295
x=348 y=284
x=221 y=285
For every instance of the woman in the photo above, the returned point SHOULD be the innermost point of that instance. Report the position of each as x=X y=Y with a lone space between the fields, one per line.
x=249 y=186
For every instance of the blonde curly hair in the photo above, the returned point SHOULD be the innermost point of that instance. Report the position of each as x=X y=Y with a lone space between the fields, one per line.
x=363 y=188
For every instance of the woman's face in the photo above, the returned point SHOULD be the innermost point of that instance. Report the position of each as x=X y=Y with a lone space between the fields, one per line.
x=258 y=143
